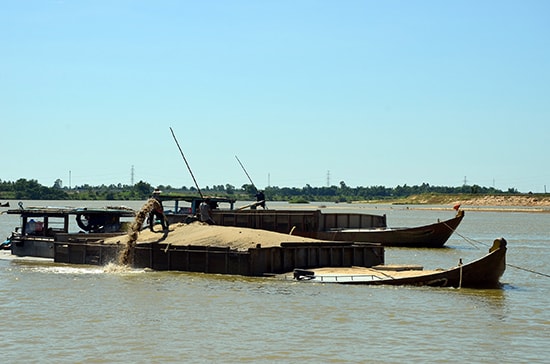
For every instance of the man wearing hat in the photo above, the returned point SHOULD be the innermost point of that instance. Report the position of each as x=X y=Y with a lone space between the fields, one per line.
x=205 y=210
x=157 y=213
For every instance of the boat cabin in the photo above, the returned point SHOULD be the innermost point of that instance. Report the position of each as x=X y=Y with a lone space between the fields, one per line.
x=49 y=221
x=181 y=208
x=42 y=226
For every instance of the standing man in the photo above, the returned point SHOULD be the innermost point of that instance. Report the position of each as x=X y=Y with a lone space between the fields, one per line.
x=260 y=199
x=205 y=212
x=157 y=212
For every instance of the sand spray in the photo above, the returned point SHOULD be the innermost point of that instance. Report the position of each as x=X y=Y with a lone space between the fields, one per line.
x=126 y=256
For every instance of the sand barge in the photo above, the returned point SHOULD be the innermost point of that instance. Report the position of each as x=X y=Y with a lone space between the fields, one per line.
x=199 y=247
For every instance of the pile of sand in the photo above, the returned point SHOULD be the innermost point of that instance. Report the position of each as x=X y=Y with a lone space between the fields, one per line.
x=202 y=234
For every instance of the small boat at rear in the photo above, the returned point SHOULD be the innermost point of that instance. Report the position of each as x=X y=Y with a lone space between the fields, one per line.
x=484 y=272
x=428 y=236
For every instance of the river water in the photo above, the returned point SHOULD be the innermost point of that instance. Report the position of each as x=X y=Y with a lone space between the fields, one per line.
x=63 y=313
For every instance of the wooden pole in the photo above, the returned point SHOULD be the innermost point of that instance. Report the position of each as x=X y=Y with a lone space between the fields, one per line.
x=250 y=179
x=185 y=160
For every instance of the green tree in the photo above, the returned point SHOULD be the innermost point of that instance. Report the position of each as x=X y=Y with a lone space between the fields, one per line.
x=143 y=189
x=229 y=189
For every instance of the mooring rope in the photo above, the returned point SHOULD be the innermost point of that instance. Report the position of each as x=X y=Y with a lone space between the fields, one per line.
x=528 y=270
x=472 y=241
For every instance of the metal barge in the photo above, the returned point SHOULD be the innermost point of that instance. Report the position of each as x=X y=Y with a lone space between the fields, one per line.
x=257 y=261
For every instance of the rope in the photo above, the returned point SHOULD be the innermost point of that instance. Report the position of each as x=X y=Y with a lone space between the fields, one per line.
x=528 y=270
x=472 y=241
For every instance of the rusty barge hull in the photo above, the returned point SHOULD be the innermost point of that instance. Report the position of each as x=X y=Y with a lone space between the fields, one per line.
x=206 y=259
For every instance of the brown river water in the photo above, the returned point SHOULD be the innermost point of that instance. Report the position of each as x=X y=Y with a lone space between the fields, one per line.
x=70 y=313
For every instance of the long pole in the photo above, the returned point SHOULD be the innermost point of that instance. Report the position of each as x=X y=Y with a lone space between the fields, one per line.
x=187 y=164
x=250 y=179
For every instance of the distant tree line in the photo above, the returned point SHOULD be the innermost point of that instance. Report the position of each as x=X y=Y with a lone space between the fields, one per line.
x=343 y=193
x=31 y=190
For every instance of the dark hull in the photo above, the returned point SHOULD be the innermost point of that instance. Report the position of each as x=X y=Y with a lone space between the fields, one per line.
x=27 y=246
x=428 y=236
x=482 y=273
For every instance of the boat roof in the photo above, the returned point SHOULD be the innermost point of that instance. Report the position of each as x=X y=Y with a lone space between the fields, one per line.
x=191 y=198
x=62 y=211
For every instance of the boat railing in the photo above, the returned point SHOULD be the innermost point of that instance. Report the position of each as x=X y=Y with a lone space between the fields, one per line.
x=329 y=221
x=342 y=278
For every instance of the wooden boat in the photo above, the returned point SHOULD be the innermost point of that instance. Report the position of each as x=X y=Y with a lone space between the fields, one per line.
x=482 y=273
x=428 y=236
x=314 y=223
x=5 y=204
x=41 y=227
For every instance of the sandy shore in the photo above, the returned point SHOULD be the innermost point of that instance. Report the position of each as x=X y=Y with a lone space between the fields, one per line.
x=527 y=203
x=518 y=201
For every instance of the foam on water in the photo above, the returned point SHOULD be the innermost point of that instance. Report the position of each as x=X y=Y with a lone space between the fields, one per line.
x=46 y=265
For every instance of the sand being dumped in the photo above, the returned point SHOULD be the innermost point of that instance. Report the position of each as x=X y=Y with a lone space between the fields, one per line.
x=126 y=255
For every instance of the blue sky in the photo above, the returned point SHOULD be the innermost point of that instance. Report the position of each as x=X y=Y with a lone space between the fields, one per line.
x=303 y=92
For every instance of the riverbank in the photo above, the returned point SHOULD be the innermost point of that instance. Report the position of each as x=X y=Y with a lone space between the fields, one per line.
x=473 y=201
x=524 y=201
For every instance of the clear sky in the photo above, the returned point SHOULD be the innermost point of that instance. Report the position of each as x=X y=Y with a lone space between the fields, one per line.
x=303 y=92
